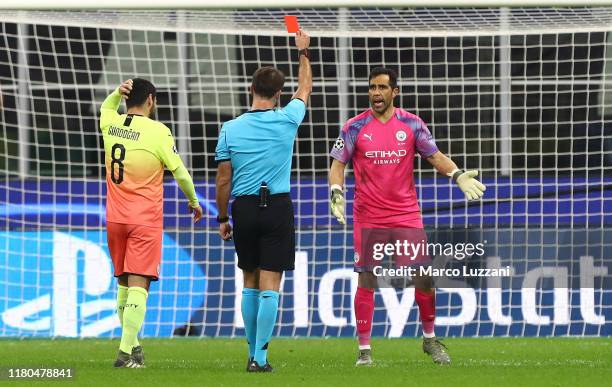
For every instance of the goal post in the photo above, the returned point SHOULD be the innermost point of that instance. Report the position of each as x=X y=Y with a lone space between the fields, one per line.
x=519 y=90
x=244 y=4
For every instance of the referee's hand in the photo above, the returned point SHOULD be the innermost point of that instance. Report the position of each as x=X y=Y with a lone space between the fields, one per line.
x=302 y=39
x=225 y=231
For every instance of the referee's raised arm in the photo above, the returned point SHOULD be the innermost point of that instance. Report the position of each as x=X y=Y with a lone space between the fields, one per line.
x=302 y=42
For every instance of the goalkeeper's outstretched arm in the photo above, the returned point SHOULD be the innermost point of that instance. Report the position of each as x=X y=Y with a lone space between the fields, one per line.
x=472 y=188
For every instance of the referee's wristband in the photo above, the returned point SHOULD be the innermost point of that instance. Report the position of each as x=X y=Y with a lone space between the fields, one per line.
x=305 y=52
x=454 y=174
x=222 y=219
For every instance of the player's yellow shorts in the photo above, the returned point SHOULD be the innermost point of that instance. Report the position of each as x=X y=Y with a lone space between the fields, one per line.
x=135 y=249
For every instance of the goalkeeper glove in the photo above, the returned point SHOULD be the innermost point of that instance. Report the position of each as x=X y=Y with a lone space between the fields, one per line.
x=338 y=203
x=472 y=188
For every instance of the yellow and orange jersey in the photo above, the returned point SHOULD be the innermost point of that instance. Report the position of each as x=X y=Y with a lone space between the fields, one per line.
x=136 y=150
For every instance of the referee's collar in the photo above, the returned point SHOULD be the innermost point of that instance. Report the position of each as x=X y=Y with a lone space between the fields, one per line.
x=258 y=110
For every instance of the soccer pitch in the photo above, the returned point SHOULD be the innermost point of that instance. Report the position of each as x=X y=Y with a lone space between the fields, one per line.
x=476 y=362
x=518 y=94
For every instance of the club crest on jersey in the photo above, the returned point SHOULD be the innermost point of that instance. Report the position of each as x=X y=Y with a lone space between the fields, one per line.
x=400 y=135
x=339 y=144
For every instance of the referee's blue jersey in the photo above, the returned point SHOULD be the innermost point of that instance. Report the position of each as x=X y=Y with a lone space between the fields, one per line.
x=259 y=144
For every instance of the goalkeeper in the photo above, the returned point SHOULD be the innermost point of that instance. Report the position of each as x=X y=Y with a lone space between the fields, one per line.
x=137 y=148
x=382 y=142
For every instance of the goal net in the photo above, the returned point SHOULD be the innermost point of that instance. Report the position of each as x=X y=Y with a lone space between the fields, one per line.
x=521 y=94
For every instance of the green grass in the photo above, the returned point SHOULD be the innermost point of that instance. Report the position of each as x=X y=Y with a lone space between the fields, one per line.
x=211 y=362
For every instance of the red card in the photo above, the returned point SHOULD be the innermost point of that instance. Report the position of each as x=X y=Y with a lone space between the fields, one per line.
x=292 y=24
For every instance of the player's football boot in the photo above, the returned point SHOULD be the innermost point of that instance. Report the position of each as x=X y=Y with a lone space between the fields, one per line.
x=266 y=368
x=124 y=360
x=254 y=367
x=138 y=355
x=434 y=348
x=364 y=358
x=251 y=365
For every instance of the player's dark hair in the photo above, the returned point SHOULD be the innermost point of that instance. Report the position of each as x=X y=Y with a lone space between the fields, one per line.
x=267 y=81
x=141 y=88
x=376 y=71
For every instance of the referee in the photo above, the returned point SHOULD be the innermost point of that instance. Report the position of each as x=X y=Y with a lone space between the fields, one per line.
x=254 y=154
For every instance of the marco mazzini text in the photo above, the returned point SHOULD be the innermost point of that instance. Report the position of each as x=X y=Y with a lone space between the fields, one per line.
x=410 y=271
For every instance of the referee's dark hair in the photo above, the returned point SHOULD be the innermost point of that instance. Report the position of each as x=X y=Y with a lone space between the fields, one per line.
x=376 y=71
x=267 y=81
x=141 y=88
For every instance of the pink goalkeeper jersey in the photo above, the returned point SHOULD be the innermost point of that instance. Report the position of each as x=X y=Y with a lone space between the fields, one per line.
x=383 y=162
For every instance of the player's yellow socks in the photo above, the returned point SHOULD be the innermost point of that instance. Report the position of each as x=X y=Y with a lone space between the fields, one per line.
x=133 y=317
x=121 y=298
x=122 y=293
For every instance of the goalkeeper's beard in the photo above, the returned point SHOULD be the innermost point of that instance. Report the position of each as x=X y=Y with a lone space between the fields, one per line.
x=383 y=110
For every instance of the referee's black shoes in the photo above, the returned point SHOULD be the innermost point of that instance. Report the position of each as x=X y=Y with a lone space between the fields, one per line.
x=254 y=367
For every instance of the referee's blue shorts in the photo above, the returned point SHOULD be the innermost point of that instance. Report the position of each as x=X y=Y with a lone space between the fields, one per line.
x=264 y=237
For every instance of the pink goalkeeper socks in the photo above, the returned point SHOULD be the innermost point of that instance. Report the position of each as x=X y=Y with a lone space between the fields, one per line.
x=427 y=310
x=364 y=311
